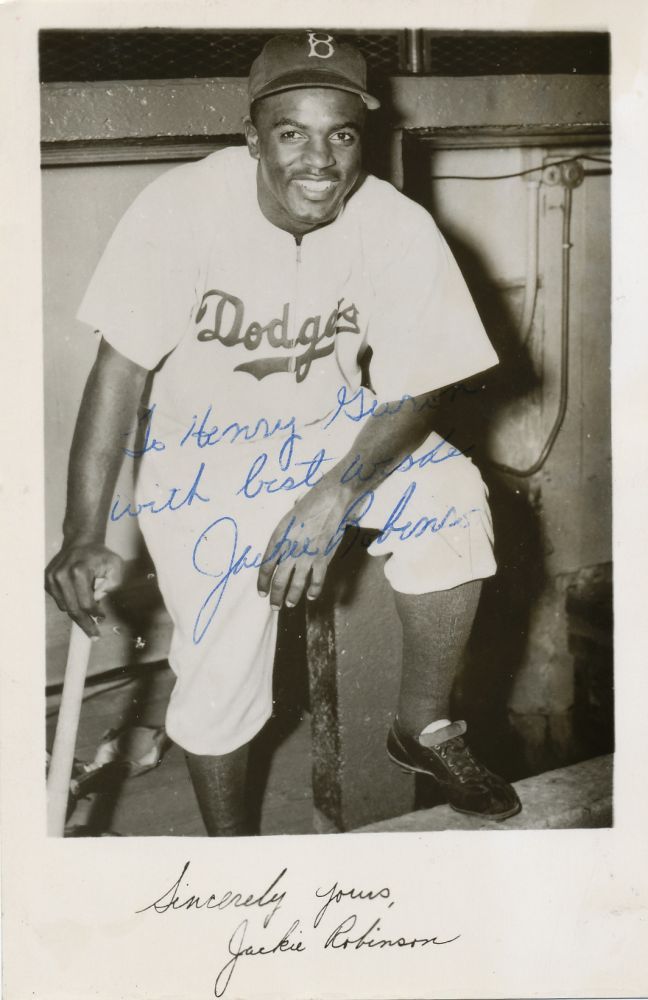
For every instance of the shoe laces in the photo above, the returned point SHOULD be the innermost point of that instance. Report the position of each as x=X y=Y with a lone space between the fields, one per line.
x=460 y=760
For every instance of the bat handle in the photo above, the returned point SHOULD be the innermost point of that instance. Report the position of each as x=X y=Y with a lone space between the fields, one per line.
x=62 y=759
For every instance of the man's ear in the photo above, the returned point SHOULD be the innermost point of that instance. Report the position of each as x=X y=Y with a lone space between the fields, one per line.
x=251 y=138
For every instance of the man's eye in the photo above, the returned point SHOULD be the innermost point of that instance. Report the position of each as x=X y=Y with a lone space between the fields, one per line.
x=344 y=137
x=290 y=134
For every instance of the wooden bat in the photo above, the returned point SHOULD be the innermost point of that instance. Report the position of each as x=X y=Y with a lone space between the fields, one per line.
x=60 y=769
x=62 y=759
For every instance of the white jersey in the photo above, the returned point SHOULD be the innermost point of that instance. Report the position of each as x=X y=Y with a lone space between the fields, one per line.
x=245 y=326
x=251 y=323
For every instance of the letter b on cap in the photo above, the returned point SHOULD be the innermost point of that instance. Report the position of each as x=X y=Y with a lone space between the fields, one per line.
x=320 y=45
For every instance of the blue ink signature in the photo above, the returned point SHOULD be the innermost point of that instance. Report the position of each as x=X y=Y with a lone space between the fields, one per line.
x=410 y=529
x=174 y=501
x=224 y=530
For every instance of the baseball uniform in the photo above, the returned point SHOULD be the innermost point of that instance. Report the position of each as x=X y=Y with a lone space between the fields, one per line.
x=257 y=343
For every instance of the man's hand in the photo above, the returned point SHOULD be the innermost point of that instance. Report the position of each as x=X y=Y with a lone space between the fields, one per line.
x=299 y=562
x=304 y=542
x=78 y=576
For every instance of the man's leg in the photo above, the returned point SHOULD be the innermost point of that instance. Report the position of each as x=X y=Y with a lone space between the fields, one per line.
x=436 y=629
x=423 y=740
x=223 y=644
x=436 y=530
x=220 y=786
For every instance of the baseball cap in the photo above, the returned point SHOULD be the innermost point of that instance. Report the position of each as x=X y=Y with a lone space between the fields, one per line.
x=309 y=59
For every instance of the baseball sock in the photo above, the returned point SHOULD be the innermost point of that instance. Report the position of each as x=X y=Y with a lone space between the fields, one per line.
x=220 y=786
x=435 y=726
x=436 y=628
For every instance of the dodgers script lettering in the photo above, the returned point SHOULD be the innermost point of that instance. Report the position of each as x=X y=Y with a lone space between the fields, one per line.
x=225 y=317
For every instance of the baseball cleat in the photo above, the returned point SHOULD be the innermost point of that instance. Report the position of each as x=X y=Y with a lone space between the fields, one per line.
x=444 y=756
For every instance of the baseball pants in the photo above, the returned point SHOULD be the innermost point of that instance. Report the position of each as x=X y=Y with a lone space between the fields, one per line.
x=208 y=540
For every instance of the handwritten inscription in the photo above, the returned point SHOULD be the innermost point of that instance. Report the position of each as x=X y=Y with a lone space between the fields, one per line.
x=337 y=918
x=237 y=948
x=357 y=406
x=221 y=538
x=277 y=460
x=175 y=898
x=205 y=434
x=335 y=895
x=176 y=498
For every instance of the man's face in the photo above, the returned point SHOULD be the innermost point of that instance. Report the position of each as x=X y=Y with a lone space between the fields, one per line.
x=308 y=146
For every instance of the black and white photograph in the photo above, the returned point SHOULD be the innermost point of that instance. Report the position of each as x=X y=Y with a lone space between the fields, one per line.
x=325 y=448
x=340 y=297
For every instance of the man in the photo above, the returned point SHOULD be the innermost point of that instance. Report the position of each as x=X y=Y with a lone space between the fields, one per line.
x=258 y=283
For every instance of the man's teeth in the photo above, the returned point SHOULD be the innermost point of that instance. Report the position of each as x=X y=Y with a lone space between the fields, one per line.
x=316 y=186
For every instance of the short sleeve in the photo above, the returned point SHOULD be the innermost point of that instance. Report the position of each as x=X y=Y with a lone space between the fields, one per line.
x=424 y=329
x=143 y=289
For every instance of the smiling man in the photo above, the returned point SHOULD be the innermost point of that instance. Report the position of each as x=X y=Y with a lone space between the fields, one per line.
x=298 y=193
x=267 y=287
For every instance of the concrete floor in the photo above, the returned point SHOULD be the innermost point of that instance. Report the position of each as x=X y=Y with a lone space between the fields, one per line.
x=161 y=801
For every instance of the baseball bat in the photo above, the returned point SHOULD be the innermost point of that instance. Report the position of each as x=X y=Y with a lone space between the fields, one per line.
x=62 y=759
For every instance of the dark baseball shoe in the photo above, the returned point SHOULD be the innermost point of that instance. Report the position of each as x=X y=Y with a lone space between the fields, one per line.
x=468 y=786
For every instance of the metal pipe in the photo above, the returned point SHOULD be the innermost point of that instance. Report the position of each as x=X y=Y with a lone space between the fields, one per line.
x=531 y=284
x=564 y=353
x=414 y=50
